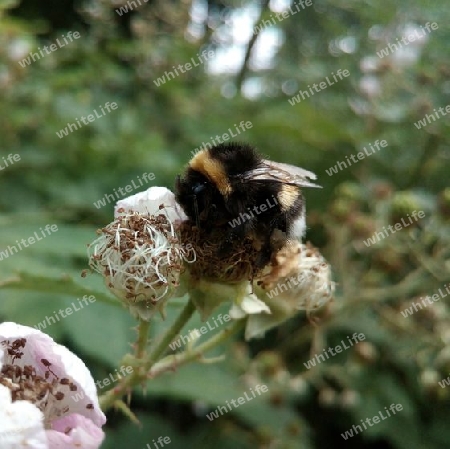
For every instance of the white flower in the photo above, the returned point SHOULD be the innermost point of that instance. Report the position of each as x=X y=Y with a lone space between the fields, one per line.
x=48 y=398
x=369 y=64
x=420 y=36
x=208 y=295
x=405 y=57
x=298 y=279
x=312 y=286
x=248 y=305
x=149 y=203
x=370 y=86
x=141 y=260
x=21 y=423
x=18 y=48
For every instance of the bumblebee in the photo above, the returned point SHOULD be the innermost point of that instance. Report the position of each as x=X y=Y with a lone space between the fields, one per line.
x=232 y=188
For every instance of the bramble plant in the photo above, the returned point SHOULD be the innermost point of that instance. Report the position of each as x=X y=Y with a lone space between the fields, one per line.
x=180 y=77
x=144 y=262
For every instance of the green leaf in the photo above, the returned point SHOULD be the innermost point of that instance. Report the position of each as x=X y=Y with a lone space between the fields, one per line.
x=64 y=285
x=214 y=385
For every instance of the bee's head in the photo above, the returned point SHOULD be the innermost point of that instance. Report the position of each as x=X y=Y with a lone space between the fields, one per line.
x=209 y=180
x=195 y=193
x=199 y=187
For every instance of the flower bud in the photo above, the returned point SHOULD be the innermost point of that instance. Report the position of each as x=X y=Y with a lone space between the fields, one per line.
x=299 y=278
x=141 y=259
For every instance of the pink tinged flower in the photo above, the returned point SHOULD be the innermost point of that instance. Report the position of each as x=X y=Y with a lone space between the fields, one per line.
x=47 y=395
x=84 y=434
x=21 y=424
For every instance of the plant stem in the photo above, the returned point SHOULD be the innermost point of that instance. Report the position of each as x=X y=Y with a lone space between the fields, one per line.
x=139 y=374
x=152 y=369
x=174 y=361
x=171 y=333
x=141 y=343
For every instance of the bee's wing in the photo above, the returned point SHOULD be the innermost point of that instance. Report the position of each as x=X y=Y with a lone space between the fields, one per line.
x=285 y=173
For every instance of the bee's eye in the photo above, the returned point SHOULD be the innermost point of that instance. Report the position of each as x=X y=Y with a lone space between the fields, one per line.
x=199 y=187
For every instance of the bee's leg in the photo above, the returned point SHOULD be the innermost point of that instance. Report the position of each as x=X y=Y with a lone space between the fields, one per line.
x=209 y=217
x=272 y=237
x=263 y=257
x=232 y=236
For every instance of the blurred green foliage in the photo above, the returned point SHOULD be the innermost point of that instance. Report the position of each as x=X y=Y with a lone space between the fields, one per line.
x=155 y=129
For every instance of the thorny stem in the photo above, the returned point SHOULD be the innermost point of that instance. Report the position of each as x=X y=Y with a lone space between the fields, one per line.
x=141 y=343
x=171 y=333
x=142 y=373
x=412 y=282
x=174 y=361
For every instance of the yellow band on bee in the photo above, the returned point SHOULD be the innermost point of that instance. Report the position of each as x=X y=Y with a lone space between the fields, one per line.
x=213 y=170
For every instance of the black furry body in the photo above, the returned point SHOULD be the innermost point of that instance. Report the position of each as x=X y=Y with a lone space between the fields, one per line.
x=231 y=187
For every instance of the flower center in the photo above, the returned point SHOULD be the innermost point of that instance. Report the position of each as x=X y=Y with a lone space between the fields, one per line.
x=139 y=256
x=46 y=392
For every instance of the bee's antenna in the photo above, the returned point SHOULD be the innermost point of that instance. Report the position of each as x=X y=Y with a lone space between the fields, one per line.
x=197 y=221
x=199 y=187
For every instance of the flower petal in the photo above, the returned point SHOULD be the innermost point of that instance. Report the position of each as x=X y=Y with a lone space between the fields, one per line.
x=298 y=279
x=21 y=424
x=40 y=350
x=207 y=295
x=148 y=202
x=82 y=434
x=236 y=312
x=252 y=305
